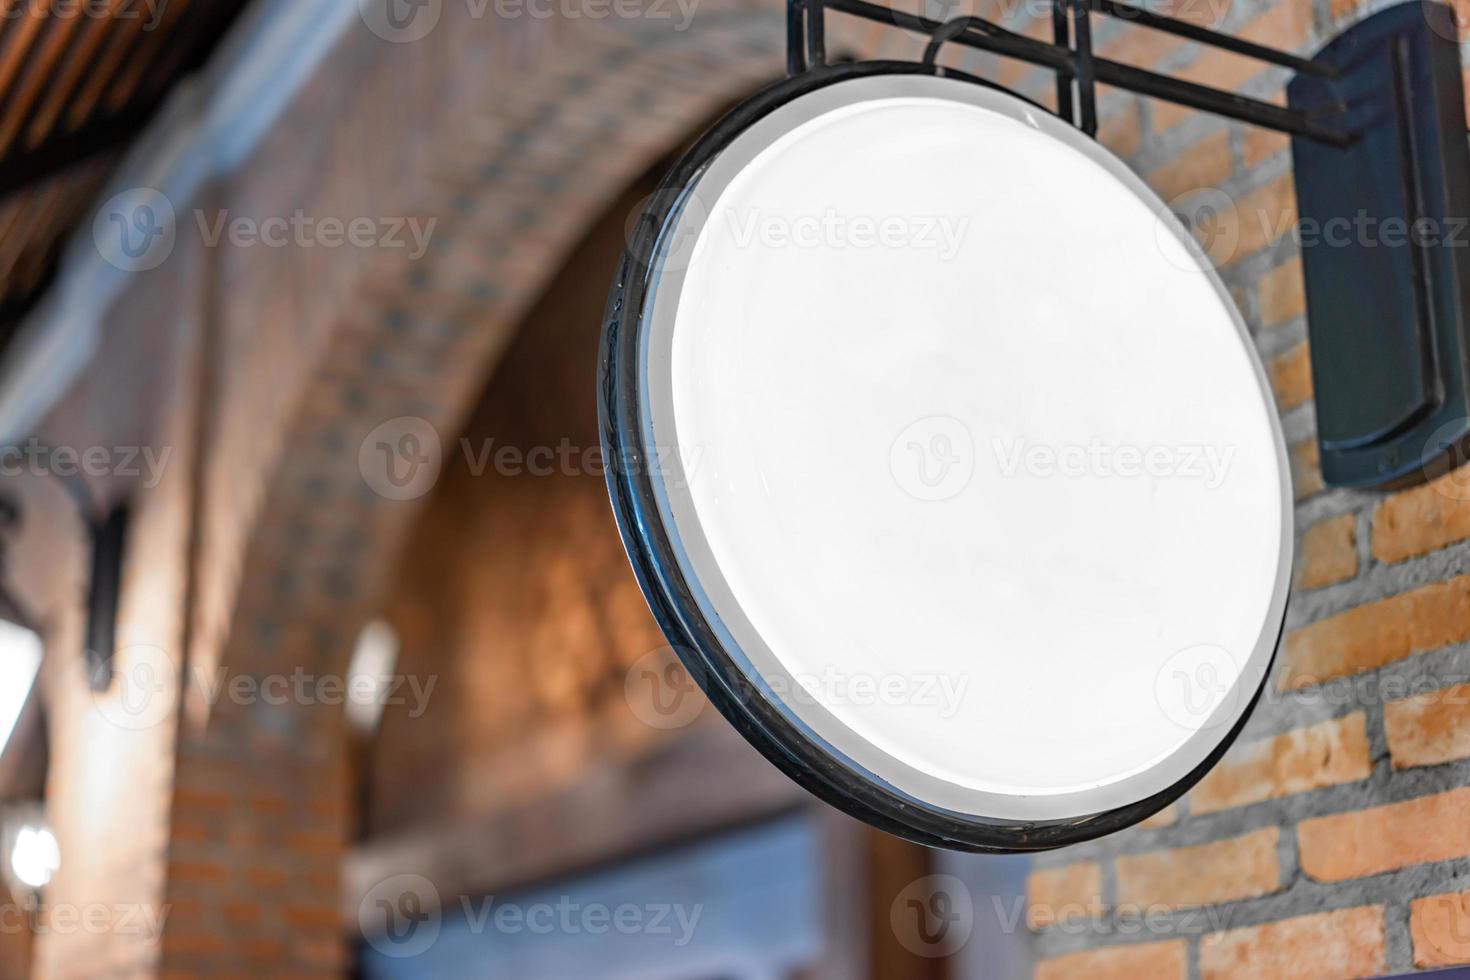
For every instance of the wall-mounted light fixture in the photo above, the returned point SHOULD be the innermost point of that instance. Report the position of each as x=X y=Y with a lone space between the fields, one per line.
x=106 y=541
x=940 y=451
x=29 y=854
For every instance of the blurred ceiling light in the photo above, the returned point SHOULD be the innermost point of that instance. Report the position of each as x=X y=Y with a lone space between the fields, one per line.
x=20 y=659
x=369 y=676
x=35 y=856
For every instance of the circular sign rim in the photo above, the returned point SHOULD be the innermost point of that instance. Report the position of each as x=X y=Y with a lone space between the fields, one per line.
x=653 y=549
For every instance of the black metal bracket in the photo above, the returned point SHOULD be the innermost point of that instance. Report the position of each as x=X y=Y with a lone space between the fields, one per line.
x=1382 y=171
x=107 y=540
x=1386 y=251
x=1072 y=59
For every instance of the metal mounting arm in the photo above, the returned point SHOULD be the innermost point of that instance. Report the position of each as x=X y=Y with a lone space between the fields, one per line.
x=1382 y=171
x=1074 y=63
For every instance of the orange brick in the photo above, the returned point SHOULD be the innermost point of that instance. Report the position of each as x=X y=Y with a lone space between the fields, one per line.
x=194 y=943
x=1262 y=144
x=1167 y=817
x=1222 y=871
x=1058 y=894
x=198 y=871
x=1440 y=927
x=1121 y=132
x=1367 y=842
x=1328 y=552
x=1202 y=13
x=312 y=916
x=1140 y=47
x=1423 y=519
x=1156 y=961
x=1306 y=471
x=1378 y=633
x=1285 y=25
x=1299 y=761
x=1288 y=25
x=1325 y=946
x=1430 y=728
x=1215 y=68
x=1291 y=377
x=1282 y=294
x=1260 y=218
x=1205 y=163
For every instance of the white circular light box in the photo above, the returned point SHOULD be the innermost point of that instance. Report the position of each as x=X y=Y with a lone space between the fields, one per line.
x=945 y=460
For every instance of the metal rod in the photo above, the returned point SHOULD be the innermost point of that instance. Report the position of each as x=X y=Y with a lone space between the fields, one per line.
x=1062 y=34
x=1204 y=35
x=1086 y=76
x=1152 y=84
x=816 y=34
x=795 y=39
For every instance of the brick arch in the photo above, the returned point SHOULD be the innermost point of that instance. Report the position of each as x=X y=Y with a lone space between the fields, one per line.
x=512 y=182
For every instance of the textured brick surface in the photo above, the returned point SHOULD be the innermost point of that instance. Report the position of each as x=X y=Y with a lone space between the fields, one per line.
x=1291 y=377
x=1163 y=961
x=1328 y=946
x=1281 y=293
x=1440 y=926
x=1383 y=838
x=1205 y=164
x=1377 y=633
x=1328 y=552
x=1222 y=871
x=1428 y=729
x=1423 y=519
x=1295 y=762
x=1058 y=894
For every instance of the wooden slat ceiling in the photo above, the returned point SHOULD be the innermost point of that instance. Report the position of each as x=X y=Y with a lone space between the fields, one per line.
x=78 y=79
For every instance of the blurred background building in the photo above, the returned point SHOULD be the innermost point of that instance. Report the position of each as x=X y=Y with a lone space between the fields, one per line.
x=298 y=314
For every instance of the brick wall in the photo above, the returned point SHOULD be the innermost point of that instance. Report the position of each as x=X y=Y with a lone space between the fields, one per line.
x=1334 y=838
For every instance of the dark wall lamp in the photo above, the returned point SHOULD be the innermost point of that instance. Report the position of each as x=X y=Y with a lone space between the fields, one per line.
x=107 y=537
x=1378 y=128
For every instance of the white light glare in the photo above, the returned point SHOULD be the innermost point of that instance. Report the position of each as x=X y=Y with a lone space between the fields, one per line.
x=369 y=676
x=35 y=857
x=20 y=659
